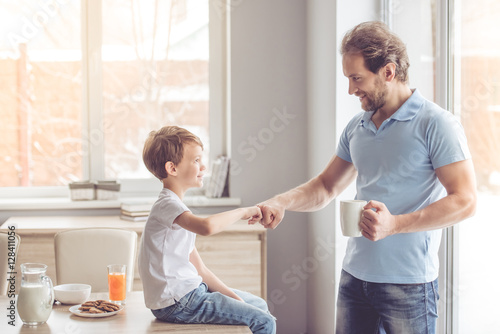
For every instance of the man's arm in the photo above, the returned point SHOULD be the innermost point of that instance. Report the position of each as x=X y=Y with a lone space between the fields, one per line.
x=218 y=222
x=312 y=195
x=209 y=278
x=460 y=203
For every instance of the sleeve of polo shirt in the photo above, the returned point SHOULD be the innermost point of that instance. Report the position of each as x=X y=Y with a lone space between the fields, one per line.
x=343 y=149
x=446 y=140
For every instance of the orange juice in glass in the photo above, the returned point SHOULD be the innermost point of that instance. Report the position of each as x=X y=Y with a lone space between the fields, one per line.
x=117 y=283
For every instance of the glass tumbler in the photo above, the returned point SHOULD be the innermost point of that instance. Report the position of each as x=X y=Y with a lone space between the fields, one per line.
x=117 y=282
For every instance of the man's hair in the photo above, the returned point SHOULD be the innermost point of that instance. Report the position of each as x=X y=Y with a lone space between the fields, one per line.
x=166 y=144
x=379 y=46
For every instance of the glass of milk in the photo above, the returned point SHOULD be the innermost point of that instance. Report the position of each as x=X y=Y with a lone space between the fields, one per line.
x=36 y=295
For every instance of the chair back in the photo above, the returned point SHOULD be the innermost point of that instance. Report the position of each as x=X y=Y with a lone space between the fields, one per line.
x=9 y=244
x=82 y=255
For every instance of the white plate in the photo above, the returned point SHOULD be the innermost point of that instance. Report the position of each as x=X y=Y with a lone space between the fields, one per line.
x=75 y=310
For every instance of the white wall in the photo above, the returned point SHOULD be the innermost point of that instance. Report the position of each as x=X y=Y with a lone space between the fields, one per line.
x=329 y=109
x=322 y=74
x=268 y=51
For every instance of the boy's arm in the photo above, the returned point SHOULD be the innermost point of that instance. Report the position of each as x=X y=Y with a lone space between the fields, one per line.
x=218 y=222
x=213 y=282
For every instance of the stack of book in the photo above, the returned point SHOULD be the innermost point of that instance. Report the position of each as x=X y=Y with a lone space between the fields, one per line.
x=135 y=211
x=218 y=178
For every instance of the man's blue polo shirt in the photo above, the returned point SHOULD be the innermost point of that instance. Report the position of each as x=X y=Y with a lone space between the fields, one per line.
x=396 y=165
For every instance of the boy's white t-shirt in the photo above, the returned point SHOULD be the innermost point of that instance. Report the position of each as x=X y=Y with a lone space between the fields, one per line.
x=164 y=267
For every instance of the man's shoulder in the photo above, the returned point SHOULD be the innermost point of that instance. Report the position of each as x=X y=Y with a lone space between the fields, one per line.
x=436 y=122
x=433 y=113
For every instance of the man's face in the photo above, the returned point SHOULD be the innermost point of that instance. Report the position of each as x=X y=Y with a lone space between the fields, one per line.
x=368 y=86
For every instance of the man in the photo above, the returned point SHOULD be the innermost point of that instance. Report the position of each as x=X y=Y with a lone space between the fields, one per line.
x=411 y=162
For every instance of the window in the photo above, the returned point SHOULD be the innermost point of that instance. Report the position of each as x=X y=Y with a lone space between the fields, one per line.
x=476 y=91
x=84 y=82
x=454 y=46
x=41 y=98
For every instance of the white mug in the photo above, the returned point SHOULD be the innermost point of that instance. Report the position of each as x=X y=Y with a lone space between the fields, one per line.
x=350 y=216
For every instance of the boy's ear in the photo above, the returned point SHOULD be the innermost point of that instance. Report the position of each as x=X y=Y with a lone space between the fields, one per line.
x=170 y=168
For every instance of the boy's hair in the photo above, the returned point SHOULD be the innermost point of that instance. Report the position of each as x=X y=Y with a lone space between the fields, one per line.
x=379 y=46
x=166 y=144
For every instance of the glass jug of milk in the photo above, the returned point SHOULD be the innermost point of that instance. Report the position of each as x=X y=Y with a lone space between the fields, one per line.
x=36 y=295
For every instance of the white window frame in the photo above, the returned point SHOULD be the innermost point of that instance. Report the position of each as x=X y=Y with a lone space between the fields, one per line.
x=92 y=105
x=448 y=273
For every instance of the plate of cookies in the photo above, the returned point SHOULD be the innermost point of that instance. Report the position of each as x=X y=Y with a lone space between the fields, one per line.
x=96 y=309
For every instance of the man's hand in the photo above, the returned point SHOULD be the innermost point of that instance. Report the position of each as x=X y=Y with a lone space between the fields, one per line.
x=272 y=214
x=378 y=224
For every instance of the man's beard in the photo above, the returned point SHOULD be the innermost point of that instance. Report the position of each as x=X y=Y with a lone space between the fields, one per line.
x=376 y=99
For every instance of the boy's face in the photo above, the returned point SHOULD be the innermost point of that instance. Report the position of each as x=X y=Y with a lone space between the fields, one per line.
x=191 y=169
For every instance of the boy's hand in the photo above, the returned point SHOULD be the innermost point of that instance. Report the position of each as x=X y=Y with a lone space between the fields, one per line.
x=253 y=214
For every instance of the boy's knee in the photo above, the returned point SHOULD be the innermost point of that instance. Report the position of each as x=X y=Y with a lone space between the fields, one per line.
x=261 y=304
x=269 y=323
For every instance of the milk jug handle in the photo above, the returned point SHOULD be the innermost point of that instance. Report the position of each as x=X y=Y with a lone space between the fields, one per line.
x=48 y=281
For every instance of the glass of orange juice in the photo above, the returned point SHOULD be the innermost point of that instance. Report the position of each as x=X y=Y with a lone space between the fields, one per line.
x=117 y=283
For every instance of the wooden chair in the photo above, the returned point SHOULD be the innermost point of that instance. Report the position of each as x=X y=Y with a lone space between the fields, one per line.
x=82 y=255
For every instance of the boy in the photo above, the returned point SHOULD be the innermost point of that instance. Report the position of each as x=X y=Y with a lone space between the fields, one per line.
x=178 y=287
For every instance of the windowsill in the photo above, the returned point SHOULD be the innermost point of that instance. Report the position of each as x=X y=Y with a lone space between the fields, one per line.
x=62 y=203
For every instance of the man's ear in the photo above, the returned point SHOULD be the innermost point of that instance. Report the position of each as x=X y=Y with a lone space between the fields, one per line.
x=170 y=168
x=389 y=72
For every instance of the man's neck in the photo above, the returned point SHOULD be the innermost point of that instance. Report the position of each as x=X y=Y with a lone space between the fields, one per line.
x=396 y=97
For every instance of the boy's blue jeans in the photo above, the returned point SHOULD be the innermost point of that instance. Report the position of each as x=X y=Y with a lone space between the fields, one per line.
x=367 y=308
x=203 y=307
